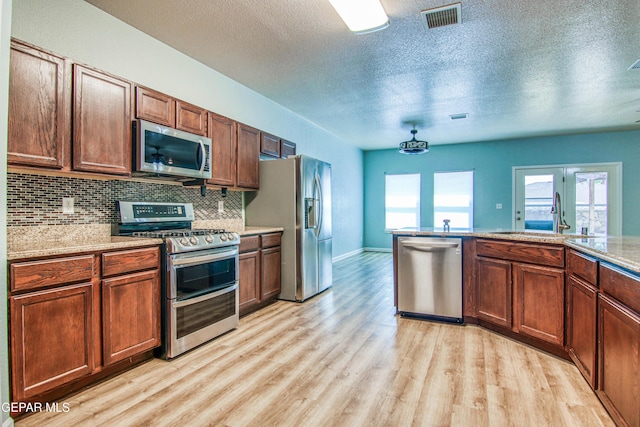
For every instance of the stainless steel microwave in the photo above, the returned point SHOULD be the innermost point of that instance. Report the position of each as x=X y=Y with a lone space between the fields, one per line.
x=165 y=151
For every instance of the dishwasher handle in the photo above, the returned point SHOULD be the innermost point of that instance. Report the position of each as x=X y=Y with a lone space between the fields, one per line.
x=429 y=247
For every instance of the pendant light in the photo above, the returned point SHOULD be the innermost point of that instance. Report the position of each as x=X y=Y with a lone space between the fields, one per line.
x=413 y=146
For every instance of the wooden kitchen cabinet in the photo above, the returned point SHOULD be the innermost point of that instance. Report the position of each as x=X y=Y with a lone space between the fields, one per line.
x=77 y=318
x=260 y=266
x=287 y=148
x=130 y=315
x=39 y=107
x=539 y=302
x=270 y=265
x=51 y=337
x=248 y=157
x=520 y=286
x=494 y=291
x=165 y=110
x=101 y=122
x=269 y=145
x=581 y=312
x=619 y=360
x=224 y=139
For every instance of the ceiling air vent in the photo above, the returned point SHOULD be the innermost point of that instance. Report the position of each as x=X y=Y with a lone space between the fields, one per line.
x=635 y=65
x=441 y=16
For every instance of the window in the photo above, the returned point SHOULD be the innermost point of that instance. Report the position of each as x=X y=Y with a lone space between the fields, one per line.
x=453 y=199
x=402 y=201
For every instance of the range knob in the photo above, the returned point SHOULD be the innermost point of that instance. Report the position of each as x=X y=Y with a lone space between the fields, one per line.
x=208 y=238
x=231 y=236
x=223 y=237
x=193 y=240
x=184 y=241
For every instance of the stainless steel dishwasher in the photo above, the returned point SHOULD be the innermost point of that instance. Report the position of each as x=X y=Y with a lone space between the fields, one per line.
x=430 y=278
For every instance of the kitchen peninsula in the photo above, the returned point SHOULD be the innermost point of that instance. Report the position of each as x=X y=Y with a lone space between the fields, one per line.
x=574 y=296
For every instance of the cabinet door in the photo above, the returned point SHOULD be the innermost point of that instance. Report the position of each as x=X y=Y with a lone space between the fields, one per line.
x=38 y=108
x=248 y=157
x=619 y=361
x=582 y=302
x=101 y=122
x=287 y=148
x=222 y=132
x=539 y=302
x=494 y=291
x=270 y=280
x=130 y=315
x=249 y=282
x=155 y=107
x=269 y=145
x=51 y=339
x=190 y=118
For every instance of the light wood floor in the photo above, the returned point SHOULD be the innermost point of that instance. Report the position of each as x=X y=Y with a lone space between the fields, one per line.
x=344 y=359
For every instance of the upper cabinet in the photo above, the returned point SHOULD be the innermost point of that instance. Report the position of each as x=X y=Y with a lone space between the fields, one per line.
x=38 y=107
x=273 y=147
x=287 y=148
x=159 y=108
x=101 y=122
x=222 y=132
x=248 y=155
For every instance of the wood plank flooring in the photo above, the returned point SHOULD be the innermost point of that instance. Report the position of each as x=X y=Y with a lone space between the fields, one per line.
x=343 y=359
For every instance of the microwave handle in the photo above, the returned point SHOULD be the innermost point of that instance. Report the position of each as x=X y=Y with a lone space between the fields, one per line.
x=204 y=156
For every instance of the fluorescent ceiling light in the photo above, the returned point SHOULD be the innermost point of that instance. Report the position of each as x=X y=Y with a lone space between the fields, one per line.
x=361 y=16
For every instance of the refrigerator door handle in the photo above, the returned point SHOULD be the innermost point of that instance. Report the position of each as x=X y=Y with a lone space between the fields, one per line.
x=320 y=207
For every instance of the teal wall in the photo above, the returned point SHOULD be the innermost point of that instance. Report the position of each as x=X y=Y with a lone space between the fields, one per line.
x=492 y=163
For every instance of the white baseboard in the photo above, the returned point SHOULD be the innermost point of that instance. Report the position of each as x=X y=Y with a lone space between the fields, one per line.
x=378 y=250
x=347 y=255
x=8 y=422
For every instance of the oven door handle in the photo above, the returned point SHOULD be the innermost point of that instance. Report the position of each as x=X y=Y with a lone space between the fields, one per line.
x=182 y=262
x=205 y=297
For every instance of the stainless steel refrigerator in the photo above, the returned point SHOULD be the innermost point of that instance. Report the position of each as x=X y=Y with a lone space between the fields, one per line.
x=295 y=193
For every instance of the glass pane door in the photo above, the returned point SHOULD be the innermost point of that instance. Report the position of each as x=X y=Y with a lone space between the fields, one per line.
x=534 y=191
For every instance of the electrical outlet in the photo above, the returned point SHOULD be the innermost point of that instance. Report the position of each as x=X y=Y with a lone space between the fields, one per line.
x=67 y=205
x=220 y=206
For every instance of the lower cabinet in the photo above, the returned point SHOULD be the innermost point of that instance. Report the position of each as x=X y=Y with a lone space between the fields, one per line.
x=582 y=303
x=260 y=266
x=515 y=294
x=73 y=317
x=130 y=315
x=51 y=338
x=619 y=361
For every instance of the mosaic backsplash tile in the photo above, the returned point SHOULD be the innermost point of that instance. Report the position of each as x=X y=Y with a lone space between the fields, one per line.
x=37 y=200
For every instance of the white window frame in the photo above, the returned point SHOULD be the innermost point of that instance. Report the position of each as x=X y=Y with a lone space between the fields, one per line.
x=468 y=210
x=415 y=209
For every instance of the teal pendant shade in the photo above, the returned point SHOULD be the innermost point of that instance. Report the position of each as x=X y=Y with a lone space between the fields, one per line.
x=413 y=146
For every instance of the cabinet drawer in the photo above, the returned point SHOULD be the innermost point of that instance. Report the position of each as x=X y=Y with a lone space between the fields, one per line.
x=249 y=243
x=269 y=240
x=582 y=266
x=621 y=285
x=530 y=253
x=38 y=274
x=132 y=260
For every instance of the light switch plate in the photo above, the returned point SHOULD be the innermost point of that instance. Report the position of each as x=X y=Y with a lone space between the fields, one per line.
x=220 y=206
x=498 y=205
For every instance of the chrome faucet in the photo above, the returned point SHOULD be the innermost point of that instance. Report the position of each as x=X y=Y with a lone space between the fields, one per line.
x=559 y=223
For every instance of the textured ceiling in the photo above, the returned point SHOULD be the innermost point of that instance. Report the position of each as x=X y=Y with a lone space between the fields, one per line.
x=519 y=68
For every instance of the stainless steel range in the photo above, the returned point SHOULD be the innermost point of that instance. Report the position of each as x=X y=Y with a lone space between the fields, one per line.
x=200 y=273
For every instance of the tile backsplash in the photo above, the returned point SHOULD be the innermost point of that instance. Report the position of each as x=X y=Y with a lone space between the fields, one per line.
x=37 y=200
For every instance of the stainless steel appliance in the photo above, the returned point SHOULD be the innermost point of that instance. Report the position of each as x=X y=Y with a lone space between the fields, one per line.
x=430 y=278
x=165 y=151
x=200 y=273
x=295 y=194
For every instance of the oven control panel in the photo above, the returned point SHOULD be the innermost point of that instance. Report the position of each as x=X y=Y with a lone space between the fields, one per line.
x=141 y=212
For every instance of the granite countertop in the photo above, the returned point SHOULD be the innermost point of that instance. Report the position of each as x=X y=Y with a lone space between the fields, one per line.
x=47 y=248
x=623 y=251
x=48 y=241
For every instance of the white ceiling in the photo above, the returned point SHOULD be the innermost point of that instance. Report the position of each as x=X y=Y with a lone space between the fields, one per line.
x=519 y=68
